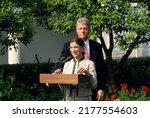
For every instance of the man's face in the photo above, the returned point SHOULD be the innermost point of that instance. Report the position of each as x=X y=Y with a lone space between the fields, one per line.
x=82 y=31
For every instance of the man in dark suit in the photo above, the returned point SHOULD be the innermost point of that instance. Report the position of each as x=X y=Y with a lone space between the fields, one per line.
x=94 y=50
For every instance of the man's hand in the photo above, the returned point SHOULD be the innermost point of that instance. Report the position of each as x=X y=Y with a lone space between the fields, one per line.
x=47 y=84
x=100 y=94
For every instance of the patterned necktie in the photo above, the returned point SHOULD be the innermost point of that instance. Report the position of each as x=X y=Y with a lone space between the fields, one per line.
x=86 y=55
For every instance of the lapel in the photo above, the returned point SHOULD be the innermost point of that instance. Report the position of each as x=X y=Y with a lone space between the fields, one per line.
x=93 y=53
x=70 y=67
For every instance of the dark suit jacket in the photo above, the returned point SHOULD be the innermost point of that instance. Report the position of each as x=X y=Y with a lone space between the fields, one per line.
x=96 y=55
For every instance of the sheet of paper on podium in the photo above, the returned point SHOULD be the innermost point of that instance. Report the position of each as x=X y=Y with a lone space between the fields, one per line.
x=63 y=78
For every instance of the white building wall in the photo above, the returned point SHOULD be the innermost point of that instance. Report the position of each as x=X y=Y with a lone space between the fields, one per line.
x=48 y=45
x=3 y=58
x=142 y=51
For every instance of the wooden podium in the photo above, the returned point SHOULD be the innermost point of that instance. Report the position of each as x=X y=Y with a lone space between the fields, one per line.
x=63 y=78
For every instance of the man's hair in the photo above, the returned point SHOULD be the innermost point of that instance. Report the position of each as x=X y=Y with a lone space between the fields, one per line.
x=83 y=20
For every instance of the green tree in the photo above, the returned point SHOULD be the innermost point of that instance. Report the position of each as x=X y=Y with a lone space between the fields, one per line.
x=16 y=24
x=126 y=24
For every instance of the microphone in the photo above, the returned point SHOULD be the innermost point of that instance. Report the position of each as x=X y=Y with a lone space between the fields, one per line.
x=61 y=59
x=61 y=62
x=67 y=59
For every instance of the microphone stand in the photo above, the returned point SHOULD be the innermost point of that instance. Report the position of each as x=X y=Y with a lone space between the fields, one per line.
x=60 y=63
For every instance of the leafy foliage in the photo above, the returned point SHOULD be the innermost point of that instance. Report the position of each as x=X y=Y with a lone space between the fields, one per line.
x=6 y=85
x=126 y=22
x=127 y=93
x=16 y=24
x=21 y=83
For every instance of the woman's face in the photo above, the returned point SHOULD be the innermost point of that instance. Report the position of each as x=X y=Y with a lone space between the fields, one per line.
x=76 y=50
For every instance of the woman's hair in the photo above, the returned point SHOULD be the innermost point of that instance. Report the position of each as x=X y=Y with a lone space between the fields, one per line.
x=79 y=41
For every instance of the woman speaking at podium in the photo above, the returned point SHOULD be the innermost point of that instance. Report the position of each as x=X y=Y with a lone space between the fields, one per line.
x=79 y=65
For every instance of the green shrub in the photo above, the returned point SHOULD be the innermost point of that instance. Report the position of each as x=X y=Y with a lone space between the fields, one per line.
x=6 y=87
x=136 y=72
x=19 y=82
x=126 y=93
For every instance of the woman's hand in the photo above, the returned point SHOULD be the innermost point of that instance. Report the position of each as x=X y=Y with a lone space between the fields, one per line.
x=82 y=70
x=58 y=71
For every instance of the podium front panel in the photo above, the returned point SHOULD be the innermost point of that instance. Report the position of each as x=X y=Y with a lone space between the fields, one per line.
x=59 y=78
